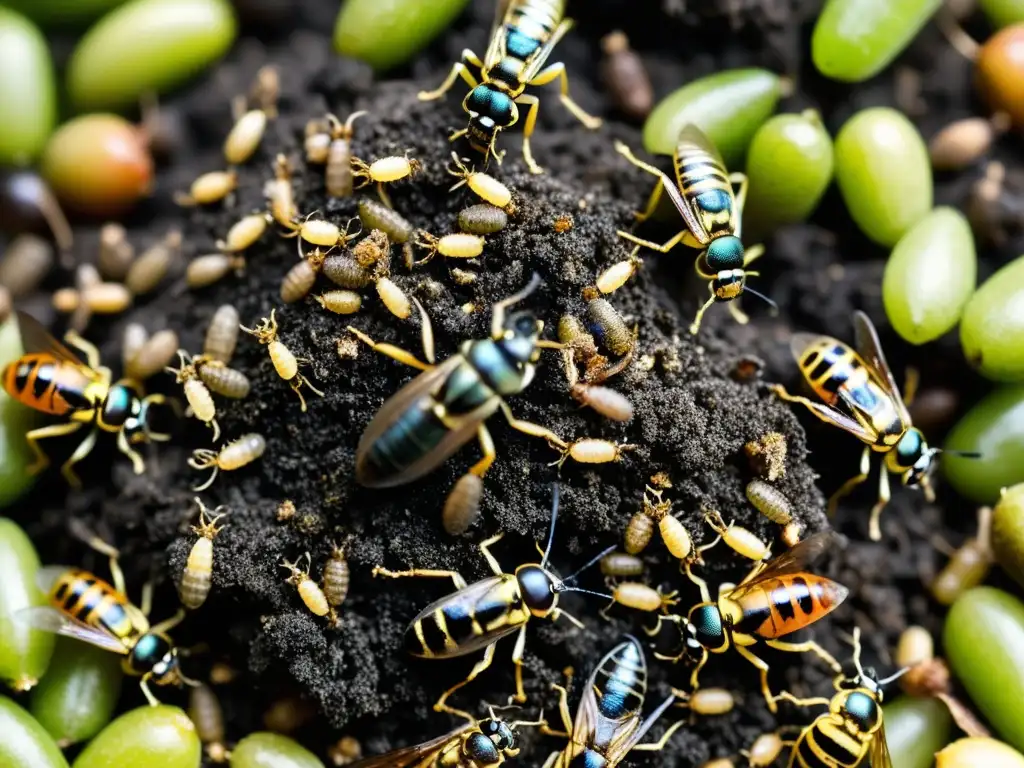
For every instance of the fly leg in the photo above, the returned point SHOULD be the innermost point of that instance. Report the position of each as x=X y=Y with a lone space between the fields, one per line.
x=874 y=527
x=483 y=664
x=557 y=72
x=807 y=646
x=533 y=107
x=853 y=482
x=54 y=430
x=390 y=350
x=814 y=701
x=762 y=665
x=459 y=69
x=455 y=576
x=138 y=465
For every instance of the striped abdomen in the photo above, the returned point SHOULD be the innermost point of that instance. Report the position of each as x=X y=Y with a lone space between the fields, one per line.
x=467 y=620
x=620 y=682
x=529 y=24
x=413 y=434
x=777 y=607
x=827 y=745
x=840 y=378
x=703 y=180
x=90 y=600
x=43 y=382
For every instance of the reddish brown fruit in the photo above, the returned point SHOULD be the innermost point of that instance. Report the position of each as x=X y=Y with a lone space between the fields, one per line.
x=1000 y=72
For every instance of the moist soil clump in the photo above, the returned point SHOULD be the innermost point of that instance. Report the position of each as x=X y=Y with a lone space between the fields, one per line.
x=694 y=411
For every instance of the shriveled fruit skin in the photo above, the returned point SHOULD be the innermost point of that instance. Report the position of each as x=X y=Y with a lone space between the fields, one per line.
x=856 y=39
x=983 y=638
x=884 y=173
x=992 y=328
x=930 y=276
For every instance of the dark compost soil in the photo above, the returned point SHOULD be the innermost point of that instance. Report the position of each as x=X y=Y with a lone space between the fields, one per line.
x=692 y=418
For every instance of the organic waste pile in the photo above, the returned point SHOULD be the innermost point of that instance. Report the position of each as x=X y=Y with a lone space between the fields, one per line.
x=705 y=429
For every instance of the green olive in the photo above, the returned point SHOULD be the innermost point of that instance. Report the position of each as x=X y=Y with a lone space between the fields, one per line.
x=98 y=164
x=1000 y=72
x=994 y=427
x=78 y=695
x=62 y=12
x=271 y=750
x=1008 y=532
x=24 y=652
x=915 y=729
x=147 y=46
x=24 y=743
x=1003 y=13
x=856 y=39
x=15 y=420
x=728 y=106
x=386 y=34
x=992 y=328
x=28 y=90
x=789 y=166
x=930 y=276
x=884 y=173
x=983 y=637
x=145 y=738
x=976 y=751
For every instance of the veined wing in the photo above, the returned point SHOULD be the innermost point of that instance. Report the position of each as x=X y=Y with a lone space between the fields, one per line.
x=540 y=57
x=49 y=619
x=870 y=349
x=462 y=610
x=691 y=137
x=35 y=338
x=800 y=558
x=798 y=345
x=496 y=45
x=420 y=755
x=880 y=757
x=626 y=741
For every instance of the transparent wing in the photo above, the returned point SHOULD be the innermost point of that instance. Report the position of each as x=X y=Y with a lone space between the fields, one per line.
x=539 y=59
x=49 y=619
x=35 y=338
x=870 y=349
x=47 y=576
x=626 y=739
x=420 y=754
x=880 y=757
x=496 y=46
x=798 y=345
x=800 y=558
x=695 y=135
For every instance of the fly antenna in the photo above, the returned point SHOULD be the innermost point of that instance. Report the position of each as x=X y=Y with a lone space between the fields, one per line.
x=762 y=297
x=961 y=454
x=554 y=516
x=562 y=588
x=892 y=677
x=594 y=559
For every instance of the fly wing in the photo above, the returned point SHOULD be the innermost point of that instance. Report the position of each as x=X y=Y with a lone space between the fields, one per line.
x=35 y=338
x=871 y=350
x=631 y=737
x=496 y=46
x=690 y=134
x=540 y=57
x=47 y=576
x=465 y=602
x=421 y=754
x=49 y=619
x=423 y=386
x=880 y=757
x=798 y=345
x=800 y=558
